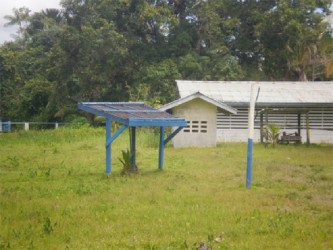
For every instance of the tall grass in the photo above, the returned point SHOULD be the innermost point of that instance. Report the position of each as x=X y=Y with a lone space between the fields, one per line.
x=54 y=195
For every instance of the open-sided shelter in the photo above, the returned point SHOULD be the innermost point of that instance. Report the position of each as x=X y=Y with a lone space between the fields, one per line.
x=132 y=115
x=293 y=106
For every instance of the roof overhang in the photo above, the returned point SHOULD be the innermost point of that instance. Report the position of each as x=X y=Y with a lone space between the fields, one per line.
x=287 y=108
x=223 y=107
x=293 y=110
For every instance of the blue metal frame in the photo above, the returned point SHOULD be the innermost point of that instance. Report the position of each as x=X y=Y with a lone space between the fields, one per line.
x=132 y=123
x=172 y=135
x=108 y=146
x=112 y=138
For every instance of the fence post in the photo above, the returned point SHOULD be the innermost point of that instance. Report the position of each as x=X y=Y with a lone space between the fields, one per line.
x=26 y=126
x=56 y=125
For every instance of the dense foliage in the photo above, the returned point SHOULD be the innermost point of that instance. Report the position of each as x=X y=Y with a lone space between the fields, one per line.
x=121 y=50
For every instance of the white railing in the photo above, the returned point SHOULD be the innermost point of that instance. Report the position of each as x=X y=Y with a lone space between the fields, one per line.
x=9 y=125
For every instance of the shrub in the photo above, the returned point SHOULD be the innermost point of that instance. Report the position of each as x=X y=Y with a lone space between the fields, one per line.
x=272 y=133
x=128 y=166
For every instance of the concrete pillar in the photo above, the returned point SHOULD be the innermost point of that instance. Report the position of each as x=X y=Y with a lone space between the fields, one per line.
x=307 y=128
x=266 y=123
x=261 y=128
x=26 y=126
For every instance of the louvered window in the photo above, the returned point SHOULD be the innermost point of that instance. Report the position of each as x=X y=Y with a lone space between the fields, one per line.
x=196 y=127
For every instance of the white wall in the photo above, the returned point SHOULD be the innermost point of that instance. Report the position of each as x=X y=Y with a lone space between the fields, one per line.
x=240 y=135
x=201 y=130
x=233 y=128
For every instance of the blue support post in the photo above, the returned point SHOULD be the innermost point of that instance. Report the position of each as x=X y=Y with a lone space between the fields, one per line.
x=249 y=163
x=161 y=149
x=116 y=134
x=133 y=146
x=250 y=138
x=173 y=134
x=108 y=146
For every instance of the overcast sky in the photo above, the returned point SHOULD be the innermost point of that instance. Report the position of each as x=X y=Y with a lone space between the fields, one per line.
x=6 y=7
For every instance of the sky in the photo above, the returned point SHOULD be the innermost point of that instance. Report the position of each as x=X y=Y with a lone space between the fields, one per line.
x=6 y=7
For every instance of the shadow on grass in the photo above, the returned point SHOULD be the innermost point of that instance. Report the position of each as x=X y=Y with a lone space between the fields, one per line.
x=98 y=175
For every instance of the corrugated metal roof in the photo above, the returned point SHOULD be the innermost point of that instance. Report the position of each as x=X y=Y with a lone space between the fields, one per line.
x=270 y=92
x=132 y=113
x=225 y=108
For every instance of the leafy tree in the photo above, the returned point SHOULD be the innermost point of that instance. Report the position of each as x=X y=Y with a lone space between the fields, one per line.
x=156 y=83
x=287 y=32
x=119 y=50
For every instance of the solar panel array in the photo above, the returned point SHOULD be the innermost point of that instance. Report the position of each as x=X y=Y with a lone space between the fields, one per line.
x=132 y=113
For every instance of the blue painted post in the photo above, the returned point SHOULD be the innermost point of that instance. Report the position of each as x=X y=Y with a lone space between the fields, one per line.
x=250 y=138
x=133 y=146
x=108 y=146
x=161 y=149
x=249 y=163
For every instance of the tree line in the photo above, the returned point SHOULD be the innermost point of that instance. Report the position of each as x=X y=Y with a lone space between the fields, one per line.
x=133 y=50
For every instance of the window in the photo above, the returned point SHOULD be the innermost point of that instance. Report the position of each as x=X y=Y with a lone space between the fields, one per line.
x=196 y=127
x=203 y=126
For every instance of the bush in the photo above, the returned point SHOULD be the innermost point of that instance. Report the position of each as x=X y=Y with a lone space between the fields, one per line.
x=76 y=121
x=126 y=160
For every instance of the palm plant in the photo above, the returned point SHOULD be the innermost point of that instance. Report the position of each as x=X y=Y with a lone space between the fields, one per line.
x=273 y=133
x=128 y=166
x=19 y=17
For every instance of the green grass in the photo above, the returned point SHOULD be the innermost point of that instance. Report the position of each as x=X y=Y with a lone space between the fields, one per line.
x=54 y=195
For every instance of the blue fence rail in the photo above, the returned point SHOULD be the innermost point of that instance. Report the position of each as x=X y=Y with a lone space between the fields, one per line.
x=5 y=126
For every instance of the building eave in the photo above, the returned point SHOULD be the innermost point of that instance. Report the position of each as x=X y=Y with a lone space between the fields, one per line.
x=224 y=107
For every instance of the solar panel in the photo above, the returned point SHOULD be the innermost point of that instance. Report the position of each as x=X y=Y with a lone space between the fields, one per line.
x=132 y=114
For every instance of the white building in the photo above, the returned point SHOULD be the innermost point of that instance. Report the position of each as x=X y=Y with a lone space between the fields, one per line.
x=218 y=111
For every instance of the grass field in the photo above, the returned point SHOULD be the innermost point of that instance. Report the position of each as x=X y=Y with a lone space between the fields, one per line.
x=54 y=195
